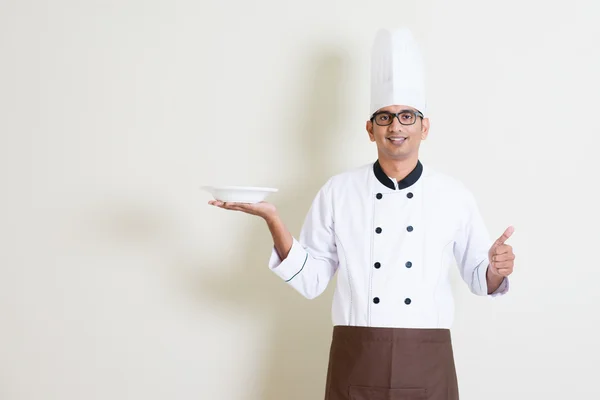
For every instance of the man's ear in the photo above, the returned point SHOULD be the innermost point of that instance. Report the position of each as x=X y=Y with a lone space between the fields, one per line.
x=425 y=128
x=369 y=128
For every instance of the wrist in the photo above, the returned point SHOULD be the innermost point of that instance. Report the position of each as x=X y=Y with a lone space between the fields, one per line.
x=493 y=276
x=271 y=218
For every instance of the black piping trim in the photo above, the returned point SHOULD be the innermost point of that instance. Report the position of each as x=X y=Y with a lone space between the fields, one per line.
x=408 y=181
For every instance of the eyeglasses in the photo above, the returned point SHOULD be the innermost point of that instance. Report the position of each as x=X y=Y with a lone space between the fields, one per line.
x=406 y=117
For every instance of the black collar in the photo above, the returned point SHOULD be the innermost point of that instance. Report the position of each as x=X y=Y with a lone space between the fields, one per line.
x=410 y=179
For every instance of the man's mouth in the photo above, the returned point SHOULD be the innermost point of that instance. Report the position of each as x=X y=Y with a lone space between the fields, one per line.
x=397 y=139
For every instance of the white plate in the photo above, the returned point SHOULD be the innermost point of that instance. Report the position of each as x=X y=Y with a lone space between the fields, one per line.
x=239 y=194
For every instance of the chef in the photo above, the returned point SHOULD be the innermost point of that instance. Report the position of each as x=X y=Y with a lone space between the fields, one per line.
x=391 y=230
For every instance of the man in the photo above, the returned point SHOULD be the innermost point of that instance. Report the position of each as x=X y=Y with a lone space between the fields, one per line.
x=391 y=231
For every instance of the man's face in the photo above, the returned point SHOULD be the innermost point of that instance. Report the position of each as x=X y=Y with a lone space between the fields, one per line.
x=397 y=141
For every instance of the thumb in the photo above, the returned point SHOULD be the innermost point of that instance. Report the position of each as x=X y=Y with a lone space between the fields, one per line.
x=505 y=236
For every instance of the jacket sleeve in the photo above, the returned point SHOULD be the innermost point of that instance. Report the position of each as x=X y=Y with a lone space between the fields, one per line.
x=471 y=251
x=312 y=260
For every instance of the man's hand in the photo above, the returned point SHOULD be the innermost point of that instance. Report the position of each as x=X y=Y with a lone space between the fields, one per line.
x=502 y=258
x=263 y=209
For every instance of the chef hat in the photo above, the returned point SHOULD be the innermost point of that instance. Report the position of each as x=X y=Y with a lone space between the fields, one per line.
x=397 y=76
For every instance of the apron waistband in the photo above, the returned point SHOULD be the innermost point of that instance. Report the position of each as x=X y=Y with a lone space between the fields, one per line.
x=382 y=334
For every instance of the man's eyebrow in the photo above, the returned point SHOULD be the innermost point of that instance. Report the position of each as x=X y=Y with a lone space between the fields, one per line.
x=401 y=111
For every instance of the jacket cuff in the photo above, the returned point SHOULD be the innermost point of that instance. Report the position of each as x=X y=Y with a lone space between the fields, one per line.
x=502 y=289
x=292 y=265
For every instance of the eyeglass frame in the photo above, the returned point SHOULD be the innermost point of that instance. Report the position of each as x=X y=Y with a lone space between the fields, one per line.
x=416 y=113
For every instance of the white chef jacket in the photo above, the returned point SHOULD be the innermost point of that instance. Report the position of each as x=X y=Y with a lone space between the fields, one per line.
x=392 y=245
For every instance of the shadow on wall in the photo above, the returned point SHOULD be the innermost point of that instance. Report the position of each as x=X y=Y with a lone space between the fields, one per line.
x=295 y=364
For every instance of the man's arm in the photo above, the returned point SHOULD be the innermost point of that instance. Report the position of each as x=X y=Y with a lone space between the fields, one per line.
x=282 y=238
x=309 y=263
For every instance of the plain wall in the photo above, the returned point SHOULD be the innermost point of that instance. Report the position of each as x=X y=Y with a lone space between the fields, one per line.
x=118 y=281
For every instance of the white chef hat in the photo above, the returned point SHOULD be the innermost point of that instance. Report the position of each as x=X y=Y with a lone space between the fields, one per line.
x=397 y=73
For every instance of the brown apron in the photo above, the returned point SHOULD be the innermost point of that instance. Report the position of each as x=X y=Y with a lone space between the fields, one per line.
x=391 y=364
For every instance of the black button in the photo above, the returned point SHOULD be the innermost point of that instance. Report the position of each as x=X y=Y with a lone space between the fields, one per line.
x=377 y=265
x=408 y=264
x=379 y=196
x=378 y=230
x=407 y=301
x=376 y=300
x=409 y=228
x=409 y=195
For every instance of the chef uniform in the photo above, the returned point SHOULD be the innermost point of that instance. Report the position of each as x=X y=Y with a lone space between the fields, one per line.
x=392 y=244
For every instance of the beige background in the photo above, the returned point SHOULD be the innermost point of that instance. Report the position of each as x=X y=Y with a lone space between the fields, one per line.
x=118 y=281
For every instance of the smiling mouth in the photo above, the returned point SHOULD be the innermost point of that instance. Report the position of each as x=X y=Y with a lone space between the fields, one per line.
x=397 y=140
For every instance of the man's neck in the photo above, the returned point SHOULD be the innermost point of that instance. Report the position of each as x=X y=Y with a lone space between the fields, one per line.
x=398 y=169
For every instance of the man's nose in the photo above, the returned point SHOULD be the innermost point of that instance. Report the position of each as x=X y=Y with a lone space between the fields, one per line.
x=396 y=126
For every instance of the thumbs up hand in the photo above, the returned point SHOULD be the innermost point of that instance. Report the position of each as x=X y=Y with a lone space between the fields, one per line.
x=502 y=258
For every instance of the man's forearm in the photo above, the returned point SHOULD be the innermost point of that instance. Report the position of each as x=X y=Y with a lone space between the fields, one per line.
x=282 y=238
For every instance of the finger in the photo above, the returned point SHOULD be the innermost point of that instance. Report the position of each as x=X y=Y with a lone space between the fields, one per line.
x=232 y=206
x=245 y=208
x=236 y=204
x=505 y=271
x=218 y=204
x=223 y=204
x=505 y=236
x=503 y=265
x=238 y=207
x=503 y=249
x=503 y=257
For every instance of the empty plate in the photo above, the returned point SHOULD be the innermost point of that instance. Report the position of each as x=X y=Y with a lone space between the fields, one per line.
x=239 y=194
